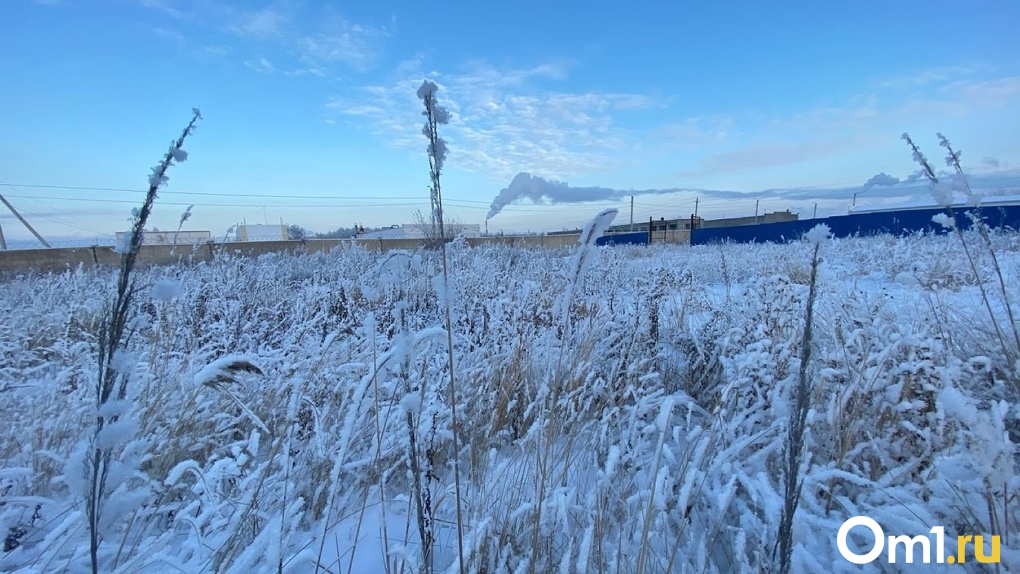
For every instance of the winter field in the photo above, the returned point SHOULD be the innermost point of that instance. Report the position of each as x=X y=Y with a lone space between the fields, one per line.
x=620 y=409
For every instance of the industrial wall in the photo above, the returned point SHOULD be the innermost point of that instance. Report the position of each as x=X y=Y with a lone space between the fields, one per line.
x=57 y=260
x=167 y=237
x=774 y=217
x=636 y=238
x=893 y=222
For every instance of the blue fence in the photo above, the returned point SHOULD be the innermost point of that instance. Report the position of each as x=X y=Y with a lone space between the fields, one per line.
x=637 y=238
x=903 y=222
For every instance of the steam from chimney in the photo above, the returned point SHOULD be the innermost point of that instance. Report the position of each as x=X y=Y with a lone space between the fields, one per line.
x=538 y=189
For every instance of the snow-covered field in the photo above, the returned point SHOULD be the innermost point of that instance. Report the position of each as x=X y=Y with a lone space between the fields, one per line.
x=293 y=410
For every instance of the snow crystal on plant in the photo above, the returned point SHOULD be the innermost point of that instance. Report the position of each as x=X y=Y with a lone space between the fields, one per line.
x=116 y=433
x=665 y=411
x=253 y=442
x=427 y=89
x=155 y=178
x=440 y=114
x=439 y=152
x=611 y=460
x=818 y=234
x=114 y=408
x=587 y=252
x=166 y=289
x=178 y=154
x=219 y=368
x=411 y=403
x=944 y=220
x=393 y=270
x=175 y=474
x=122 y=361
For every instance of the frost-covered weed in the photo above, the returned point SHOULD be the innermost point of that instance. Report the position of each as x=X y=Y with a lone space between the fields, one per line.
x=912 y=420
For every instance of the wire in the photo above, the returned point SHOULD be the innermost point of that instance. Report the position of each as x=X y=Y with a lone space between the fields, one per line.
x=201 y=193
x=185 y=204
x=51 y=219
x=65 y=224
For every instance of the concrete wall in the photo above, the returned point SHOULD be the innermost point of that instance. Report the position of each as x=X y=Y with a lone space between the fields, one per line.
x=57 y=260
x=775 y=217
x=672 y=236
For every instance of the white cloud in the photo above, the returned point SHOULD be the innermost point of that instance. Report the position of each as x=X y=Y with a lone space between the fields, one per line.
x=500 y=124
x=261 y=65
x=218 y=51
x=866 y=122
x=171 y=35
x=316 y=39
x=351 y=44
x=311 y=71
x=927 y=77
x=993 y=91
x=772 y=154
x=166 y=8
x=506 y=121
x=696 y=132
x=262 y=24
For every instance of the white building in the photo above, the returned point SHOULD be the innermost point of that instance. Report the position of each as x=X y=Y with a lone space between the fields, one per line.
x=245 y=232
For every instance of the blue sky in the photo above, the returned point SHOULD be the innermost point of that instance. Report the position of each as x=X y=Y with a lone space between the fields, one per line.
x=311 y=115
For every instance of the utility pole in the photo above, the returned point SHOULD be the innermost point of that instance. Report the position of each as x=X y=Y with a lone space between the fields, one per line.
x=631 y=213
x=815 y=214
x=23 y=222
x=696 y=206
x=3 y=242
x=756 y=211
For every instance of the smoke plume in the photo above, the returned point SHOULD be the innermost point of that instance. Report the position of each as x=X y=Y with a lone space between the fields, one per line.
x=880 y=179
x=538 y=189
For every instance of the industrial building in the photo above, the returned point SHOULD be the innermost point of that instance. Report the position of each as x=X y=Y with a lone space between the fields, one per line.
x=246 y=232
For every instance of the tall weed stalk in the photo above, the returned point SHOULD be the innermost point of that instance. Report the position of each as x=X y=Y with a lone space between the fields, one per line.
x=434 y=116
x=944 y=196
x=797 y=429
x=112 y=384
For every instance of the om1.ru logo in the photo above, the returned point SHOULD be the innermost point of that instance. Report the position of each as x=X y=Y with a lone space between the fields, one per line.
x=909 y=543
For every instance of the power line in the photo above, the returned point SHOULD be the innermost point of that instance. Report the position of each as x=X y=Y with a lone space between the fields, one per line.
x=59 y=221
x=200 y=193
x=238 y=195
x=185 y=204
x=488 y=204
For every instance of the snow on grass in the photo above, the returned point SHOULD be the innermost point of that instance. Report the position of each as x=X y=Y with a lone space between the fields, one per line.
x=653 y=435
